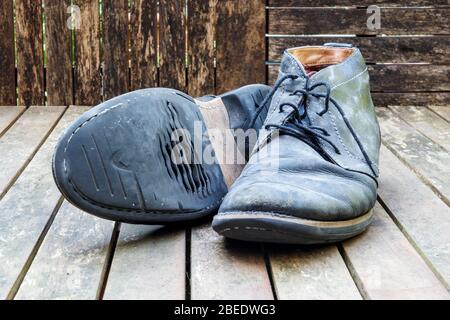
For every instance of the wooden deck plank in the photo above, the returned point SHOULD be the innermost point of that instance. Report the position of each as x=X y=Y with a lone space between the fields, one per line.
x=225 y=269
x=70 y=262
x=316 y=273
x=425 y=157
x=27 y=207
x=443 y=111
x=421 y=215
x=8 y=114
x=387 y=265
x=23 y=139
x=426 y=122
x=149 y=264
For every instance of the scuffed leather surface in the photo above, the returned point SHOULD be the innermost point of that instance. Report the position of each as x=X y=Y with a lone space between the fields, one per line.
x=350 y=88
x=303 y=184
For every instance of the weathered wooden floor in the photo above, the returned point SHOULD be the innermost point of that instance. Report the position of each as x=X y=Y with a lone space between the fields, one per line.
x=51 y=250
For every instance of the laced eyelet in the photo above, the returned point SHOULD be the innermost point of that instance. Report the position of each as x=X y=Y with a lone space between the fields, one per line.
x=303 y=131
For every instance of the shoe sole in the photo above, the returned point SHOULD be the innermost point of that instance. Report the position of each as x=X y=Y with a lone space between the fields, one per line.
x=114 y=161
x=274 y=228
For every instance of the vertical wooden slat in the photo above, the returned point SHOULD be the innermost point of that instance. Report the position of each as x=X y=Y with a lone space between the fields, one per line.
x=7 y=63
x=58 y=41
x=202 y=21
x=241 y=46
x=172 y=71
x=143 y=42
x=30 y=53
x=115 y=48
x=88 y=82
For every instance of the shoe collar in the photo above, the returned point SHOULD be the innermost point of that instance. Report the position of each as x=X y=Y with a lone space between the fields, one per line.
x=334 y=65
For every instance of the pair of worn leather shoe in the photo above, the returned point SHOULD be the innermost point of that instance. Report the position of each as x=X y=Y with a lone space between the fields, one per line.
x=158 y=156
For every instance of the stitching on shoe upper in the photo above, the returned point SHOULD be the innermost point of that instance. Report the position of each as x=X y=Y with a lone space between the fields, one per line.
x=351 y=79
x=333 y=121
x=329 y=149
x=293 y=64
x=326 y=62
x=283 y=89
x=346 y=61
x=351 y=154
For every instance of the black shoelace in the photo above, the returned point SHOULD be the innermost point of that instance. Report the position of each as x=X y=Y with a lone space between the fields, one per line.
x=299 y=124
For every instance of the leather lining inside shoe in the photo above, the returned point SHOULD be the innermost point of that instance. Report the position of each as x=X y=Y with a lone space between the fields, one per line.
x=317 y=58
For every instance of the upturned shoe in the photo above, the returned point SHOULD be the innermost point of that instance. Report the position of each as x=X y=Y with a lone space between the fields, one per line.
x=140 y=158
x=319 y=184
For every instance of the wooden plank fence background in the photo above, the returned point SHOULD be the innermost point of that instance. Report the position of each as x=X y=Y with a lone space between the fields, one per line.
x=408 y=55
x=122 y=45
x=211 y=46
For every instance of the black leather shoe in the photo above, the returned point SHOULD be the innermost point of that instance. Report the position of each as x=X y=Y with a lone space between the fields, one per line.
x=318 y=184
x=118 y=160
